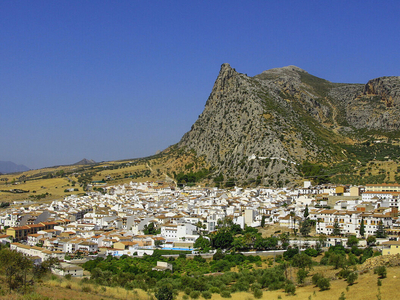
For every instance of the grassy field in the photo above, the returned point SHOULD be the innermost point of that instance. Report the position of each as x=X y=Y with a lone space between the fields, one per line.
x=37 y=183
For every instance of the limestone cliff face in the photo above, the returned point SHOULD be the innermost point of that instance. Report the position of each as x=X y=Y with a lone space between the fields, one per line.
x=265 y=126
x=377 y=107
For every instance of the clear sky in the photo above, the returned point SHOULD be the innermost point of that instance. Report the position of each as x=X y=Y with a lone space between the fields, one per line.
x=108 y=80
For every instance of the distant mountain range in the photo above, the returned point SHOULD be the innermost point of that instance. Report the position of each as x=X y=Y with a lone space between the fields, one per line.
x=10 y=167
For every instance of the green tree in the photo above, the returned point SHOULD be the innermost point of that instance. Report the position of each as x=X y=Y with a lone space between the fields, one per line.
x=284 y=238
x=380 y=231
x=352 y=240
x=323 y=284
x=150 y=229
x=320 y=243
x=371 y=240
x=222 y=240
x=15 y=267
x=305 y=227
x=336 y=228
x=351 y=278
x=202 y=243
x=362 y=228
x=306 y=213
x=239 y=243
x=45 y=267
x=337 y=260
x=301 y=276
x=290 y=288
x=381 y=271
x=302 y=261
x=257 y=293
x=165 y=292
x=263 y=221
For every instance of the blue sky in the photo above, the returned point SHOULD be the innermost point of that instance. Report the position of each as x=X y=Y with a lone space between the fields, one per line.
x=108 y=80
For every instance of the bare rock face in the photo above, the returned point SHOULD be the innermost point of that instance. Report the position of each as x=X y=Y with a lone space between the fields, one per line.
x=267 y=125
x=377 y=107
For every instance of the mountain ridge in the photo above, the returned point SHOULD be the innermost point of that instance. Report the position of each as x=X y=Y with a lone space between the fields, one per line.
x=251 y=127
x=7 y=167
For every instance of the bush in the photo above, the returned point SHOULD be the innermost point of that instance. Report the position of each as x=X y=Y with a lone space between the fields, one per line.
x=258 y=293
x=324 y=260
x=352 y=277
x=381 y=271
x=290 y=288
x=214 y=290
x=226 y=294
x=311 y=252
x=301 y=276
x=315 y=278
x=195 y=294
x=206 y=295
x=323 y=284
x=290 y=252
x=86 y=289
x=344 y=273
x=164 y=293
x=302 y=261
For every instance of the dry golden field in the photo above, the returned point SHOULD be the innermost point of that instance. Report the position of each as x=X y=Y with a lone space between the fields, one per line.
x=365 y=288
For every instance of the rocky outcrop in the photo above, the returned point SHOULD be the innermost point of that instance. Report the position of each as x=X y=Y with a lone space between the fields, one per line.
x=377 y=107
x=371 y=263
x=267 y=125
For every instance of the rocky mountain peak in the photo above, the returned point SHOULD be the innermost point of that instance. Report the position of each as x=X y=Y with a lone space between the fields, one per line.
x=266 y=126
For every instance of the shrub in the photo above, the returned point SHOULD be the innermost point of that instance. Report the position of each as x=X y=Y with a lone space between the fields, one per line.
x=164 y=293
x=301 y=276
x=226 y=294
x=258 y=293
x=188 y=290
x=206 y=295
x=324 y=260
x=323 y=284
x=301 y=261
x=68 y=276
x=214 y=290
x=381 y=271
x=352 y=277
x=86 y=289
x=343 y=273
x=311 y=252
x=195 y=294
x=290 y=252
x=290 y=288
x=315 y=278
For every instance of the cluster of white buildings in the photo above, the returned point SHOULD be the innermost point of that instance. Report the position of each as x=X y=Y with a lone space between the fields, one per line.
x=115 y=222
